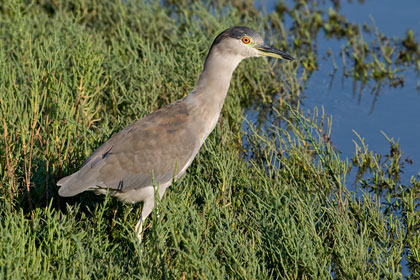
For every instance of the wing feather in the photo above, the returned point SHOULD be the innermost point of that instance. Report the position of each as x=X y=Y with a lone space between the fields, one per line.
x=150 y=151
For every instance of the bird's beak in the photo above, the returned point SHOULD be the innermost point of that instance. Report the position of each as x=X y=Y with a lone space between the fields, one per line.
x=266 y=50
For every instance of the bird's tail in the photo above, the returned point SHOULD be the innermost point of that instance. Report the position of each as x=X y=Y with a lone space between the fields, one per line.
x=72 y=185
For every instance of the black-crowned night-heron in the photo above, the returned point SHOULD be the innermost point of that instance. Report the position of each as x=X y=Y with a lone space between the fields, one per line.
x=154 y=151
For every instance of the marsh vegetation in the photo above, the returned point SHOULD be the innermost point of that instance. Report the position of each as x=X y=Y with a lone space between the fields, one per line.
x=269 y=201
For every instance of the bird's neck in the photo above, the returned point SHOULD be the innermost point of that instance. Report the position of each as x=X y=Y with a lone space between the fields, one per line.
x=210 y=92
x=213 y=83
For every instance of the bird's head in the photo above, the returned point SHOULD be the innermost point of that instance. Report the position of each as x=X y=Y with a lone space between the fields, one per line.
x=245 y=42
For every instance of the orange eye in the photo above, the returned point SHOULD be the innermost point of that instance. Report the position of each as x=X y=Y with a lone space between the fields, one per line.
x=246 y=40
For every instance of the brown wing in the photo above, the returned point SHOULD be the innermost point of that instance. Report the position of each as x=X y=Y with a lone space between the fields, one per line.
x=150 y=151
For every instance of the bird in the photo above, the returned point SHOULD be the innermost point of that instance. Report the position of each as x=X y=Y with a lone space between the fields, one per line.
x=154 y=151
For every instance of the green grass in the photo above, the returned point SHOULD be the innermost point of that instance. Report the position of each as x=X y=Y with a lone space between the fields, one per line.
x=254 y=205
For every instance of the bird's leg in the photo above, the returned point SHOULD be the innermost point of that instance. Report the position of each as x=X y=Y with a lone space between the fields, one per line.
x=147 y=209
x=139 y=229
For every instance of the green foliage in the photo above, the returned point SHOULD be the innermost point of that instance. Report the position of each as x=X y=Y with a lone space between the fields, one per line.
x=255 y=205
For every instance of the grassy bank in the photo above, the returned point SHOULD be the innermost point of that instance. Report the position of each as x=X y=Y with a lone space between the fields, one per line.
x=256 y=205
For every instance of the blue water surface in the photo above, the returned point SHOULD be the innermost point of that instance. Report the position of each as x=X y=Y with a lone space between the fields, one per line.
x=395 y=111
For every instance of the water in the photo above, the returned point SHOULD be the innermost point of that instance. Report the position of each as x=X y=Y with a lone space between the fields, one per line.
x=396 y=111
x=392 y=18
